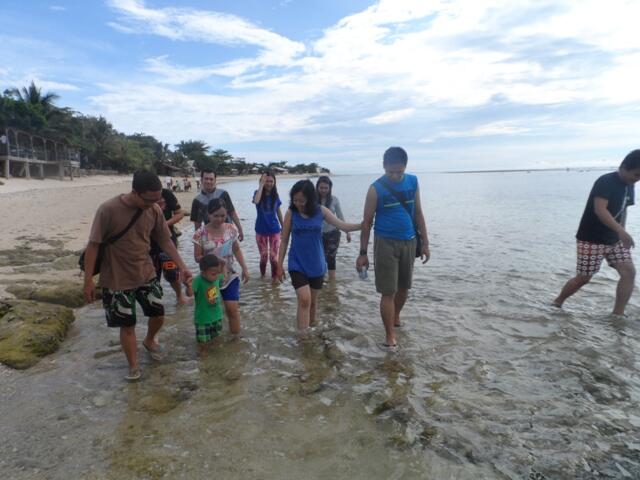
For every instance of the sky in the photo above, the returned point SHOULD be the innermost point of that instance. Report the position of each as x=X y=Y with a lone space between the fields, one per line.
x=460 y=84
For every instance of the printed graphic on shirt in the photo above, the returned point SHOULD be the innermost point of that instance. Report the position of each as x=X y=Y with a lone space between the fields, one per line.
x=212 y=294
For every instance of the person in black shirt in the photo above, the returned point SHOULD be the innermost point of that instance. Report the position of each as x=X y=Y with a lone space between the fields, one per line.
x=602 y=233
x=164 y=265
x=199 y=215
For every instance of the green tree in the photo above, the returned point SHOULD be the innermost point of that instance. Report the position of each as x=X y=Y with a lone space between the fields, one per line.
x=21 y=115
x=282 y=164
x=33 y=96
x=194 y=150
x=221 y=161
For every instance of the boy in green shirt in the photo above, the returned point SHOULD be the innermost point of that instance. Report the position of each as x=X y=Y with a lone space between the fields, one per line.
x=208 y=311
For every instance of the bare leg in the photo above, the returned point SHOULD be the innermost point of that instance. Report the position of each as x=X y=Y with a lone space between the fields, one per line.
x=398 y=302
x=232 y=309
x=177 y=287
x=304 y=307
x=129 y=347
x=203 y=350
x=571 y=287
x=313 y=308
x=387 y=312
x=625 y=286
x=153 y=327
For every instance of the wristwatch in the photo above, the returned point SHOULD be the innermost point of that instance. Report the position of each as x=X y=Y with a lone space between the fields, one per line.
x=363 y=252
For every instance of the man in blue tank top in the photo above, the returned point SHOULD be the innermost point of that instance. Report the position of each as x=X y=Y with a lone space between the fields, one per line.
x=394 y=201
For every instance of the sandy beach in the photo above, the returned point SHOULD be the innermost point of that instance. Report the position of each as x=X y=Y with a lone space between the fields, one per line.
x=52 y=209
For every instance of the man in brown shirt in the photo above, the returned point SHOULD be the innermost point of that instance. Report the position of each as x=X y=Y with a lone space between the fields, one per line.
x=127 y=274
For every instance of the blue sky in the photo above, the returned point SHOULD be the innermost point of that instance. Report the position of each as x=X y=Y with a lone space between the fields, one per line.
x=460 y=84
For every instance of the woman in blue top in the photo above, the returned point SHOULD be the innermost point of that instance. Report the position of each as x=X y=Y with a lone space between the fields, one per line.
x=307 y=265
x=268 y=223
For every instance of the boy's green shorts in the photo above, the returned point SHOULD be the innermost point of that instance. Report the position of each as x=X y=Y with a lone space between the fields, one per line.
x=207 y=332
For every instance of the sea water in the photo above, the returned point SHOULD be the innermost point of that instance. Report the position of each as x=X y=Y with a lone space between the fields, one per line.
x=489 y=380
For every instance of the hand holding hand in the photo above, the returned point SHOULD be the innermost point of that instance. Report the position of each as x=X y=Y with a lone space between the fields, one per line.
x=185 y=275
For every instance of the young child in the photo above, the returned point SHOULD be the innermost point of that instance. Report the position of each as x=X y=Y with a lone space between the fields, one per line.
x=208 y=310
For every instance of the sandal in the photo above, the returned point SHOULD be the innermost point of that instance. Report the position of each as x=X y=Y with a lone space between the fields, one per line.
x=133 y=375
x=158 y=353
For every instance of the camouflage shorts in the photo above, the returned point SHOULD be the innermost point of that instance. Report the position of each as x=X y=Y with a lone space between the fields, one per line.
x=120 y=305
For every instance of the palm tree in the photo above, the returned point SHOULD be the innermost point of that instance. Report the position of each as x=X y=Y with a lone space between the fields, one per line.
x=33 y=96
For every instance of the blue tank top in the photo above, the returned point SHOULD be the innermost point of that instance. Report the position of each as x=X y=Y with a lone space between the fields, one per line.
x=307 y=254
x=392 y=219
x=267 y=216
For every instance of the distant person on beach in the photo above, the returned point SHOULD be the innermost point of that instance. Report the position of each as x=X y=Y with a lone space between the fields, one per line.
x=307 y=265
x=602 y=235
x=168 y=182
x=268 y=223
x=127 y=274
x=330 y=234
x=222 y=239
x=165 y=266
x=209 y=192
x=394 y=201
x=208 y=313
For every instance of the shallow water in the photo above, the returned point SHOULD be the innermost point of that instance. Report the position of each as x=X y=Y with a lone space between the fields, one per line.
x=489 y=381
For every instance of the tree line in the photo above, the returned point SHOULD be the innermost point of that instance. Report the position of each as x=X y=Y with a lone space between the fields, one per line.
x=102 y=147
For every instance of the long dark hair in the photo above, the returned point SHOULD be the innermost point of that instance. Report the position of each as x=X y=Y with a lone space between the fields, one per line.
x=269 y=201
x=327 y=180
x=309 y=192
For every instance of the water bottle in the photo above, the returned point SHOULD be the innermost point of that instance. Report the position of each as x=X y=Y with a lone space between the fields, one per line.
x=362 y=272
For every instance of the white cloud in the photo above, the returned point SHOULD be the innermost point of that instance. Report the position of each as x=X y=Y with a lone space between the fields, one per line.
x=390 y=116
x=206 y=26
x=180 y=75
x=487 y=129
x=12 y=79
x=54 y=86
x=173 y=115
x=57 y=8
x=396 y=63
